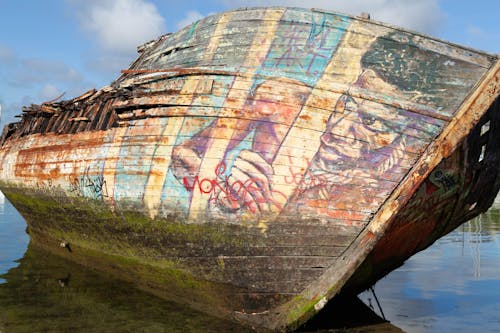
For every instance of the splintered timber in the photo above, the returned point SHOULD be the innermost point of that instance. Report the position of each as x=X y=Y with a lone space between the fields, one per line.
x=259 y=162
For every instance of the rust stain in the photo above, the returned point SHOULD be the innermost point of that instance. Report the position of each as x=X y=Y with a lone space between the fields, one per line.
x=33 y=162
x=328 y=134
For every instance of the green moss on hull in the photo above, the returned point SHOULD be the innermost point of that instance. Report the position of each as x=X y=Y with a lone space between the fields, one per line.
x=133 y=247
x=302 y=308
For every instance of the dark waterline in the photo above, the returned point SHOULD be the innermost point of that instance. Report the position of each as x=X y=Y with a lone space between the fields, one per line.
x=454 y=286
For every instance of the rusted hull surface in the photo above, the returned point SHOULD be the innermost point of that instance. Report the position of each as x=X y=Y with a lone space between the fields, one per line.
x=268 y=149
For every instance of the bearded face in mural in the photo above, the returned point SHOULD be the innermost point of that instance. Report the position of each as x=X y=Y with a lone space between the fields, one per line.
x=361 y=131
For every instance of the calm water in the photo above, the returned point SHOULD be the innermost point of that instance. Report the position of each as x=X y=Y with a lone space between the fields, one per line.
x=454 y=286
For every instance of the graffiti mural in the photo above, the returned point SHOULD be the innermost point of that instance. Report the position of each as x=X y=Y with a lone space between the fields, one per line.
x=246 y=166
x=307 y=114
x=324 y=123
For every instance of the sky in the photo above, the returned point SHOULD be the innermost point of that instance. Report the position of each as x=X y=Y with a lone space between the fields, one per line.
x=51 y=47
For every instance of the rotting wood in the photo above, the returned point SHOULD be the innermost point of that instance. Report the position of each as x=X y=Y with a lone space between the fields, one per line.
x=264 y=148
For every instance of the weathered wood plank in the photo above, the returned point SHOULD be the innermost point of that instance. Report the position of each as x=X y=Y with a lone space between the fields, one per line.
x=254 y=148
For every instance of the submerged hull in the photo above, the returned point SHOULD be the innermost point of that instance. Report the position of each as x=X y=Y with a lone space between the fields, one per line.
x=259 y=162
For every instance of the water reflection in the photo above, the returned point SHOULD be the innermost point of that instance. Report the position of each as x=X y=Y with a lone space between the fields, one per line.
x=452 y=286
x=46 y=293
x=13 y=238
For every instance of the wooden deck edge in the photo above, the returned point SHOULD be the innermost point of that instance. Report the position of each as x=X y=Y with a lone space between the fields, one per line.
x=409 y=31
x=292 y=314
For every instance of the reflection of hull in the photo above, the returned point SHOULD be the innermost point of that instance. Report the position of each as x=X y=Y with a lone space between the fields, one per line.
x=80 y=299
x=259 y=162
x=71 y=298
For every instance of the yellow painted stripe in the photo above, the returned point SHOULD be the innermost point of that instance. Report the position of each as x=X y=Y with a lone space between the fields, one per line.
x=159 y=166
x=163 y=154
x=109 y=171
x=225 y=126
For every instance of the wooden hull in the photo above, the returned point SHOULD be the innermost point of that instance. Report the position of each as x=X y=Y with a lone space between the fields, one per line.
x=259 y=162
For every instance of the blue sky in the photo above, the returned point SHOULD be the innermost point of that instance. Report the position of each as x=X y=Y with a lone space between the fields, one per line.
x=53 y=46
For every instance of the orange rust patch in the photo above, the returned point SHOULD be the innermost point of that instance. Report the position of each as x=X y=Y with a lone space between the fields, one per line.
x=446 y=149
x=368 y=238
x=55 y=172
x=44 y=160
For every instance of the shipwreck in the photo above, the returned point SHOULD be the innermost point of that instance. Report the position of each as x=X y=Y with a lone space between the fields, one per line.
x=262 y=161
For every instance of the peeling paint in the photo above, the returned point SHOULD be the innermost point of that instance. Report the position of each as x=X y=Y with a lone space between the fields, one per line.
x=267 y=149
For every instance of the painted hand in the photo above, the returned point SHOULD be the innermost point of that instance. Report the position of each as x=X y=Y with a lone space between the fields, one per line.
x=250 y=185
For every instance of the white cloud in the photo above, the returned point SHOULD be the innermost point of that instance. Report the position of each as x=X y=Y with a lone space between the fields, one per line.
x=423 y=15
x=10 y=110
x=120 y=25
x=191 y=17
x=21 y=74
x=41 y=70
x=115 y=28
x=37 y=79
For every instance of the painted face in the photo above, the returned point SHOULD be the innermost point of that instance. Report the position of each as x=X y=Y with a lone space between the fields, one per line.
x=358 y=128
